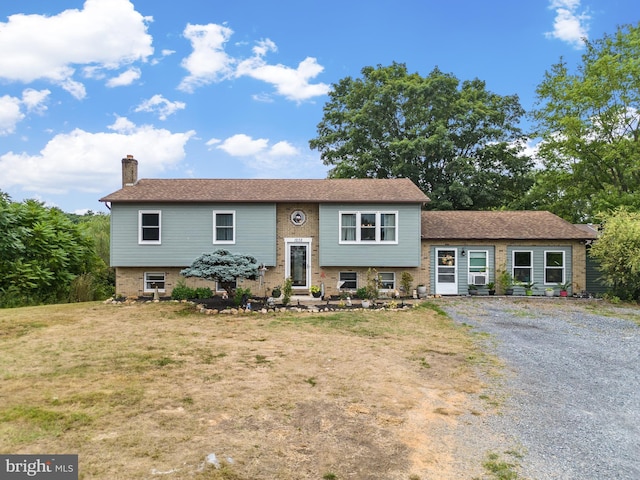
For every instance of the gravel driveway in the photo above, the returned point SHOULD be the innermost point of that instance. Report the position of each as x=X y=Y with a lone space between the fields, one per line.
x=572 y=383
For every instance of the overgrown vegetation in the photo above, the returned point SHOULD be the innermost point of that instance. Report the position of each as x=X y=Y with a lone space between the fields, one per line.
x=618 y=253
x=48 y=256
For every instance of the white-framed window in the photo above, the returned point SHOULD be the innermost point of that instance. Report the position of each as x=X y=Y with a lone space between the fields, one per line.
x=349 y=280
x=523 y=266
x=149 y=227
x=554 y=267
x=153 y=280
x=478 y=267
x=387 y=280
x=369 y=227
x=224 y=226
x=219 y=288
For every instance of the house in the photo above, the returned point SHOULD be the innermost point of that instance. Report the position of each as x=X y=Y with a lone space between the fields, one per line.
x=330 y=233
x=325 y=232
x=466 y=248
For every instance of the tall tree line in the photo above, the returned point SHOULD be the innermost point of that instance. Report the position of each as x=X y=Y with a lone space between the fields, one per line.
x=463 y=144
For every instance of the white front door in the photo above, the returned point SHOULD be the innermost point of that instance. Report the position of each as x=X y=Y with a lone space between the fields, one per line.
x=298 y=262
x=446 y=271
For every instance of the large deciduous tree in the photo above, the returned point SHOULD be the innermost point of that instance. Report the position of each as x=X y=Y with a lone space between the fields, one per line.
x=459 y=142
x=224 y=267
x=589 y=125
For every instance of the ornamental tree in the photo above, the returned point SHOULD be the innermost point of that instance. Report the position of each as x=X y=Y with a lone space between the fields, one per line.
x=223 y=267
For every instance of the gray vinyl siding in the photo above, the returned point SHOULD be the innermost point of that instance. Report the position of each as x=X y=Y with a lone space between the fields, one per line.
x=538 y=264
x=595 y=284
x=187 y=232
x=406 y=253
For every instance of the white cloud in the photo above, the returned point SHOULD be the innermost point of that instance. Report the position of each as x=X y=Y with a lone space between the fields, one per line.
x=82 y=161
x=213 y=141
x=125 y=78
x=266 y=160
x=283 y=149
x=292 y=84
x=208 y=62
x=160 y=105
x=34 y=100
x=107 y=33
x=10 y=114
x=12 y=108
x=570 y=25
x=241 y=145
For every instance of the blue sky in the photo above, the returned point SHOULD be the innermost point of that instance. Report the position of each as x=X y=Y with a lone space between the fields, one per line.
x=235 y=89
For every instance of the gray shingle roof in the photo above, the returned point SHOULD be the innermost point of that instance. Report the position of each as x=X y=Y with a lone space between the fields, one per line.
x=496 y=225
x=399 y=190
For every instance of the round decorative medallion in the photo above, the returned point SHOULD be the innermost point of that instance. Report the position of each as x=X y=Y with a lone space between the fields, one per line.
x=298 y=217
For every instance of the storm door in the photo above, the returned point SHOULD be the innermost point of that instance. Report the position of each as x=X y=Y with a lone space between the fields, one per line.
x=298 y=263
x=446 y=272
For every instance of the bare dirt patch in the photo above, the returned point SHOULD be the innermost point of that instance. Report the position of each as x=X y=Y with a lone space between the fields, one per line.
x=152 y=391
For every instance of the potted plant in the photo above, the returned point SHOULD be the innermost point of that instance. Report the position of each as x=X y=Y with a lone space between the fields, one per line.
x=473 y=289
x=492 y=288
x=528 y=288
x=315 y=291
x=549 y=292
x=506 y=282
x=276 y=292
x=564 y=288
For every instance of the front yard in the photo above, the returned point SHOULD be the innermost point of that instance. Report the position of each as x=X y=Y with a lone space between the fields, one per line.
x=159 y=391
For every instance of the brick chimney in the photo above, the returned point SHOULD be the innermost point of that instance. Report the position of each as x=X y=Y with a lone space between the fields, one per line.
x=129 y=171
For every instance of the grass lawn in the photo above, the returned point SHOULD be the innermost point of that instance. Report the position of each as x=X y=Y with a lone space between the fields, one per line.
x=153 y=390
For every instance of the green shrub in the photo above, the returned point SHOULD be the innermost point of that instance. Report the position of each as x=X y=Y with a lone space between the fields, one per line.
x=287 y=291
x=361 y=292
x=182 y=292
x=406 y=282
x=203 y=292
x=240 y=293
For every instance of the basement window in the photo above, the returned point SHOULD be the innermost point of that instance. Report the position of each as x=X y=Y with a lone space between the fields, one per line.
x=153 y=280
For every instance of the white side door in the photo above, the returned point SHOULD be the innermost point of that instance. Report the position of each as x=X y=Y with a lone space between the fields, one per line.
x=446 y=271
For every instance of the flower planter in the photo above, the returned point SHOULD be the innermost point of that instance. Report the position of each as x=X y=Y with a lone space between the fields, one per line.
x=366 y=304
x=549 y=293
x=563 y=293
